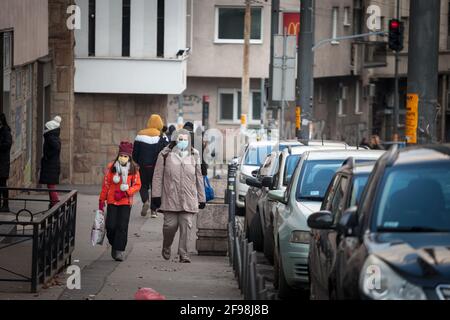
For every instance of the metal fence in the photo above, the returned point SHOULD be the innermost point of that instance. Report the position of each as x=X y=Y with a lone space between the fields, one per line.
x=242 y=256
x=51 y=233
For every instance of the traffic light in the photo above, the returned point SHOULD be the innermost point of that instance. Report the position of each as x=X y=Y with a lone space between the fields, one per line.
x=395 y=35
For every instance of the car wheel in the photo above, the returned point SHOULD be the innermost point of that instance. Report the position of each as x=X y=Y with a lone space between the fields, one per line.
x=269 y=244
x=255 y=234
x=284 y=290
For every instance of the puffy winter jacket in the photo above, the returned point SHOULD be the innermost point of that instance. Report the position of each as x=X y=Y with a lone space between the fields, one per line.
x=50 y=162
x=109 y=188
x=146 y=150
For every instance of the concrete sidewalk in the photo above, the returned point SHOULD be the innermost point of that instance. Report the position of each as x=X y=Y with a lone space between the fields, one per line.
x=102 y=278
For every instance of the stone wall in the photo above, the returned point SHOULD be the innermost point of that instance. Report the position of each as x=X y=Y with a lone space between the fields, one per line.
x=61 y=44
x=101 y=122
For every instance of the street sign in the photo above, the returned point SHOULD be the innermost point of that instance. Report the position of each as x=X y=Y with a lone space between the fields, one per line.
x=412 y=117
x=284 y=71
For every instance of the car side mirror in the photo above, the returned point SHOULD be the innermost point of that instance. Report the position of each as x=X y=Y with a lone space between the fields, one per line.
x=277 y=195
x=349 y=222
x=267 y=182
x=255 y=173
x=253 y=182
x=322 y=220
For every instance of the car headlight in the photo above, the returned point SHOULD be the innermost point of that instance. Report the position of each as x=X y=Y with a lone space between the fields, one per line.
x=243 y=178
x=379 y=282
x=300 y=236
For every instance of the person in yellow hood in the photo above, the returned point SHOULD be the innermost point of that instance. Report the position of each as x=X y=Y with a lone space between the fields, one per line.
x=148 y=144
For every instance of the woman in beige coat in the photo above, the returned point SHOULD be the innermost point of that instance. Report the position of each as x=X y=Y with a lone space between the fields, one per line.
x=178 y=191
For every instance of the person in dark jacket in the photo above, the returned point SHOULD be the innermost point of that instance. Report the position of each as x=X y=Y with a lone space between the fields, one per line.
x=5 y=161
x=50 y=162
x=147 y=146
x=171 y=130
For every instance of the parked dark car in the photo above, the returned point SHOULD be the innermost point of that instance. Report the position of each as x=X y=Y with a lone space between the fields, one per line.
x=395 y=244
x=343 y=192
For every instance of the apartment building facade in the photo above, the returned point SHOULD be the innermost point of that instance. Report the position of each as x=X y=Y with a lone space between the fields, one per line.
x=216 y=63
x=23 y=43
x=354 y=79
x=130 y=55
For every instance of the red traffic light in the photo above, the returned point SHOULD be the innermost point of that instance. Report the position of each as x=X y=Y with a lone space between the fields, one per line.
x=395 y=24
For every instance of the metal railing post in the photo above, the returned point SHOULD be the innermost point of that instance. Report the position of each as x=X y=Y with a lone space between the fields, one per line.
x=252 y=276
x=35 y=259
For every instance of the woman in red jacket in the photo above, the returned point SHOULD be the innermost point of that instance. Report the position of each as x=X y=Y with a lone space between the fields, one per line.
x=121 y=182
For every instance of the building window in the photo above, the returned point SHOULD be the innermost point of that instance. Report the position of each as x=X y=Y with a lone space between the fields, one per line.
x=5 y=72
x=91 y=28
x=357 y=16
x=230 y=25
x=342 y=98
x=334 y=16
x=160 y=29
x=126 y=28
x=230 y=108
x=320 y=95
x=347 y=17
x=448 y=26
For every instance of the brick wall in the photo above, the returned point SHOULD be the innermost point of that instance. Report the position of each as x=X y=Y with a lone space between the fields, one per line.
x=101 y=122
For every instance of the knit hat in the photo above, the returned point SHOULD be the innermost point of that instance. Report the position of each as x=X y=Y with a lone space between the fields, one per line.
x=53 y=124
x=154 y=126
x=126 y=148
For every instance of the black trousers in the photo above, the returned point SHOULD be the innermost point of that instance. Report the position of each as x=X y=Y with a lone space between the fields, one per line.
x=117 y=221
x=3 y=193
x=146 y=174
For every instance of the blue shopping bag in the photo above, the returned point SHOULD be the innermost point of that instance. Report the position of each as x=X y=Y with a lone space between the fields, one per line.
x=209 y=191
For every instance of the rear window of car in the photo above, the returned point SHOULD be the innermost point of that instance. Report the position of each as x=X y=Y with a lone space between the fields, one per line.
x=290 y=165
x=414 y=197
x=255 y=156
x=315 y=177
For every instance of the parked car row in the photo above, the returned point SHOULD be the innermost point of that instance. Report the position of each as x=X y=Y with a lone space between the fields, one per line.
x=340 y=222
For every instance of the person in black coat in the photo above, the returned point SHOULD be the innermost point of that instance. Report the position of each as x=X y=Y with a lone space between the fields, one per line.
x=5 y=161
x=189 y=126
x=51 y=163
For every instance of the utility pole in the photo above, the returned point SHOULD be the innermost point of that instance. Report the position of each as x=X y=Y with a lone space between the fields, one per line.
x=305 y=76
x=423 y=58
x=396 y=96
x=274 y=31
x=246 y=70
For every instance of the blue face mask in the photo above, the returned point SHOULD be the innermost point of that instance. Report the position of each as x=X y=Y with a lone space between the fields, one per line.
x=182 y=145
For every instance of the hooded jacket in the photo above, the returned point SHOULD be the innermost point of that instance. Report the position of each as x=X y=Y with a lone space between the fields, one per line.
x=149 y=143
x=50 y=162
x=178 y=182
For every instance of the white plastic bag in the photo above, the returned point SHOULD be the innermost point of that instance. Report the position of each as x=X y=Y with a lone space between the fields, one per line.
x=98 y=228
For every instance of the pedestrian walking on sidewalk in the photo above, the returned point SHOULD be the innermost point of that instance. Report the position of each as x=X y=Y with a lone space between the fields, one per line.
x=5 y=161
x=178 y=191
x=50 y=162
x=148 y=144
x=189 y=126
x=121 y=182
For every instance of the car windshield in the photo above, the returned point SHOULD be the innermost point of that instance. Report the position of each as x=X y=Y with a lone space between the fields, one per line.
x=359 y=183
x=414 y=198
x=255 y=155
x=291 y=163
x=315 y=177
